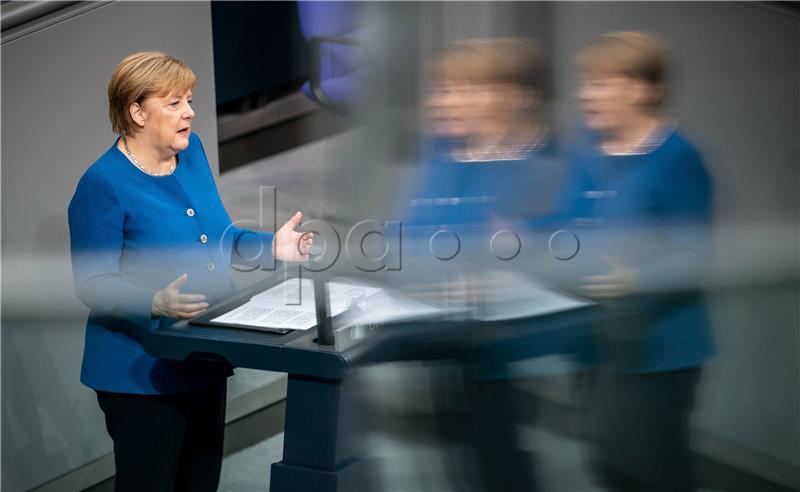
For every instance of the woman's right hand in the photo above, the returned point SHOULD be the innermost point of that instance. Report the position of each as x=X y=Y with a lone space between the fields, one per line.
x=171 y=303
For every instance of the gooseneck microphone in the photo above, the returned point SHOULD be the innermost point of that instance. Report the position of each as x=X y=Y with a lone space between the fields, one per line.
x=324 y=324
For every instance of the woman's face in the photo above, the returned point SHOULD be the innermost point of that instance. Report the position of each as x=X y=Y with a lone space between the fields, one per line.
x=450 y=108
x=168 y=121
x=610 y=101
x=462 y=108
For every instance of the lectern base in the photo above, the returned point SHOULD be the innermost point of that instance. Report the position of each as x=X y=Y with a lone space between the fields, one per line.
x=289 y=478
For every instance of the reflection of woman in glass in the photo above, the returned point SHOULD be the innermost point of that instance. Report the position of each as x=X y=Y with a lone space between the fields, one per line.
x=490 y=167
x=488 y=133
x=640 y=199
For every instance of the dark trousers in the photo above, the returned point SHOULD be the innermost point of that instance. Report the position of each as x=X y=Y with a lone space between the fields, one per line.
x=638 y=429
x=165 y=443
x=498 y=410
x=482 y=415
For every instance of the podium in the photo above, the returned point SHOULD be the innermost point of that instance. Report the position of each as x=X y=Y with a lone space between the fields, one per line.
x=321 y=451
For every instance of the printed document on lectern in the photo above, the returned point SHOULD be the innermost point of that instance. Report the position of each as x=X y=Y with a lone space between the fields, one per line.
x=515 y=296
x=290 y=305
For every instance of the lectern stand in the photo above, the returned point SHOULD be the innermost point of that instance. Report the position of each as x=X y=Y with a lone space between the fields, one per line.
x=320 y=450
x=322 y=445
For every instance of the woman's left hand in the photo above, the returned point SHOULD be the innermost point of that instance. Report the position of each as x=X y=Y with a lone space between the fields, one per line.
x=620 y=281
x=290 y=245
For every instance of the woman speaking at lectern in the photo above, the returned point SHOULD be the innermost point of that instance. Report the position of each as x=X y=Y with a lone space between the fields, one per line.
x=152 y=243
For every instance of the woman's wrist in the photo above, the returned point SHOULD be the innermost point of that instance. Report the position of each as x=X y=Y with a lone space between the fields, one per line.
x=155 y=309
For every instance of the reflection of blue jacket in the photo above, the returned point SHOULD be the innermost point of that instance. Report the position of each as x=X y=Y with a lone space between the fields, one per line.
x=468 y=196
x=651 y=211
x=132 y=234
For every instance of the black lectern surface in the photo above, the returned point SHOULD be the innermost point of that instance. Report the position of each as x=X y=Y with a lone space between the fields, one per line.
x=321 y=453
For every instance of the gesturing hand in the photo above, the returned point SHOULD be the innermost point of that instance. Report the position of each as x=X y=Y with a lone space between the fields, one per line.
x=171 y=303
x=290 y=245
x=620 y=281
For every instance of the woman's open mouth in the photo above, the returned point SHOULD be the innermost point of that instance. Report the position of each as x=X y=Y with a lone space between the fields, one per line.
x=184 y=132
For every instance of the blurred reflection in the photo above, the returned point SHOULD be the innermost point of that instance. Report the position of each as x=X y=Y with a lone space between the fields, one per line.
x=484 y=109
x=633 y=192
x=490 y=160
x=640 y=198
x=491 y=167
x=484 y=99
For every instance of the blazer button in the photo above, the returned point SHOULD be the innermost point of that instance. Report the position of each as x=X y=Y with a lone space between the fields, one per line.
x=203 y=238
x=190 y=212
x=211 y=266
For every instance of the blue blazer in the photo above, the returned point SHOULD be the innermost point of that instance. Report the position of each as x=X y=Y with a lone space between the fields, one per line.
x=617 y=205
x=468 y=196
x=131 y=234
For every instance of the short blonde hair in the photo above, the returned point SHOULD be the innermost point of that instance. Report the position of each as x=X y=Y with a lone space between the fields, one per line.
x=506 y=60
x=142 y=75
x=638 y=55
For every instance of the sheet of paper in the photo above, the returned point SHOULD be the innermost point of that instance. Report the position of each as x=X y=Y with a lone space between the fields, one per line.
x=514 y=296
x=385 y=307
x=290 y=305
